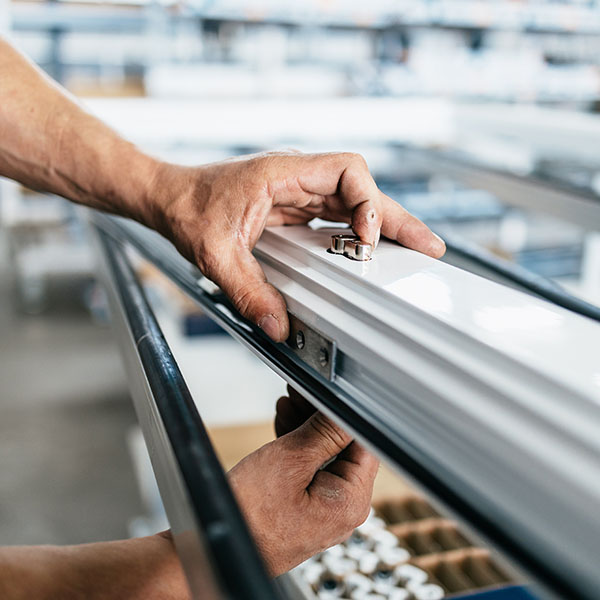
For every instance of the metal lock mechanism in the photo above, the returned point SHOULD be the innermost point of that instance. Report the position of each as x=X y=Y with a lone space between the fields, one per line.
x=351 y=246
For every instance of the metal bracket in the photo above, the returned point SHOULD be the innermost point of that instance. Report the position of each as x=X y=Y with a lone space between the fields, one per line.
x=351 y=246
x=312 y=347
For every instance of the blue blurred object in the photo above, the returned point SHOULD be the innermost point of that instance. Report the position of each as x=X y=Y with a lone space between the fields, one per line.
x=513 y=592
x=197 y=324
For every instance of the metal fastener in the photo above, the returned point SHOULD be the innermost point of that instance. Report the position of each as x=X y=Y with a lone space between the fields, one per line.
x=351 y=246
x=312 y=347
x=358 y=250
x=323 y=357
x=338 y=241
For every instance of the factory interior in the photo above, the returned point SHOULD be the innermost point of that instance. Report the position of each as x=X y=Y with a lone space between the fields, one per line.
x=474 y=378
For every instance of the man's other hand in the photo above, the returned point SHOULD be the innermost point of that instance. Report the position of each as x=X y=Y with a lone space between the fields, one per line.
x=295 y=506
x=215 y=214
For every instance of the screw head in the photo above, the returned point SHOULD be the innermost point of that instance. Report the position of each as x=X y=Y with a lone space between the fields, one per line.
x=300 y=340
x=323 y=357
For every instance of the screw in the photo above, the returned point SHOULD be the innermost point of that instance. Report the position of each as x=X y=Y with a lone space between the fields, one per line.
x=300 y=340
x=323 y=357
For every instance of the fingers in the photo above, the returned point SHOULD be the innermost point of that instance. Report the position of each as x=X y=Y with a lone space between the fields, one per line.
x=360 y=195
x=398 y=224
x=349 y=486
x=241 y=278
x=348 y=479
x=292 y=411
x=355 y=193
x=356 y=465
x=345 y=176
x=373 y=211
x=324 y=440
x=316 y=442
x=292 y=215
x=300 y=187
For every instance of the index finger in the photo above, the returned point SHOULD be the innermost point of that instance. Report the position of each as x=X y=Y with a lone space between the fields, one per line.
x=399 y=225
x=292 y=411
x=346 y=177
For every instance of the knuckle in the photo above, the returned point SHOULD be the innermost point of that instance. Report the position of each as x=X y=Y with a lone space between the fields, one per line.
x=291 y=462
x=366 y=214
x=362 y=513
x=208 y=261
x=357 y=512
x=242 y=296
x=330 y=432
x=357 y=160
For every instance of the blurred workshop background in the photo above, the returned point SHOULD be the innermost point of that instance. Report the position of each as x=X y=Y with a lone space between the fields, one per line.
x=456 y=104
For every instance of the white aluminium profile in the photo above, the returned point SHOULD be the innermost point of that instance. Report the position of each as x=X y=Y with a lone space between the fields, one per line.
x=496 y=389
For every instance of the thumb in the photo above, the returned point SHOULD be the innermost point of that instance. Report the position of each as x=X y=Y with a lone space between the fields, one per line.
x=316 y=442
x=241 y=278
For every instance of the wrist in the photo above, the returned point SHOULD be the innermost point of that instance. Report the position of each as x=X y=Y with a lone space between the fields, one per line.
x=168 y=192
x=176 y=196
x=142 y=197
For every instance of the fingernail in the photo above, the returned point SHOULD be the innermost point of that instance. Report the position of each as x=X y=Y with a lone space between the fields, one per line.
x=270 y=325
x=377 y=237
x=438 y=245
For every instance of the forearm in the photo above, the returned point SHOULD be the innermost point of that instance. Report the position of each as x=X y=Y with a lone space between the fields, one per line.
x=144 y=569
x=48 y=142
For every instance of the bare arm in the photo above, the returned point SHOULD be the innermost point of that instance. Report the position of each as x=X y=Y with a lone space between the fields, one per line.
x=48 y=142
x=140 y=569
x=307 y=509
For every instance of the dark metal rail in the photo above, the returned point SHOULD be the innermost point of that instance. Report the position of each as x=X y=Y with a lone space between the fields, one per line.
x=231 y=553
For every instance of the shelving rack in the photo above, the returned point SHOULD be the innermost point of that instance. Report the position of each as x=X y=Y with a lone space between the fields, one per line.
x=527 y=17
x=474 y=18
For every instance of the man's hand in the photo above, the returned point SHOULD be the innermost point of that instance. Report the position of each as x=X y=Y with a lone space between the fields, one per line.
x=215 y=214
x=294 y=506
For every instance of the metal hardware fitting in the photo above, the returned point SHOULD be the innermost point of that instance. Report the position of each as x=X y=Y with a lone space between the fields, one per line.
x=350 y=245
x=313 y=348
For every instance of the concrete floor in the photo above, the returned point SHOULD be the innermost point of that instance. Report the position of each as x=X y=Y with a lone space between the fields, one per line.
x=65 y=472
